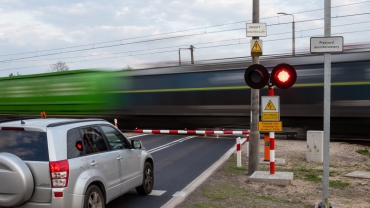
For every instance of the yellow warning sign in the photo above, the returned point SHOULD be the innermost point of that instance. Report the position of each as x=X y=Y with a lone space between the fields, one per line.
x=270 y=106
x=270 y=126
x=270 y=116
x=256 y=47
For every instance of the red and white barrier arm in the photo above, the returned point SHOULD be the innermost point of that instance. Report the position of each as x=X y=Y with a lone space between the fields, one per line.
x=201 y=132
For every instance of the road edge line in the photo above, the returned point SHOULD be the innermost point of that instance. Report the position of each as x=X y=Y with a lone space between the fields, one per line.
x=176 y=200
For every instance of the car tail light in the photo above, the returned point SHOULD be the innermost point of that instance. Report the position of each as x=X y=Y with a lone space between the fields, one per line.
x=12 y=128
x=59 y=173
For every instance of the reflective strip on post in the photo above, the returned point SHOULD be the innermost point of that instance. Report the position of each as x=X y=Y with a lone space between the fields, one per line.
x=115 y=123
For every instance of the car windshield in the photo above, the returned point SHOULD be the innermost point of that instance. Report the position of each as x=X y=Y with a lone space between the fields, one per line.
x=27 y=145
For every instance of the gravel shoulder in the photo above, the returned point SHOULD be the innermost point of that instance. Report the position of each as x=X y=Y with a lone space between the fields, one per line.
x=229 y=186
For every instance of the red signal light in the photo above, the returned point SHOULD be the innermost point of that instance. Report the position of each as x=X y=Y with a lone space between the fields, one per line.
x=283 y=76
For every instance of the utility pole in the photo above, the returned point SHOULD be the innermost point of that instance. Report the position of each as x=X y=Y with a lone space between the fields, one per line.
x=191 y=53
x=327 y=98
x=253 y=159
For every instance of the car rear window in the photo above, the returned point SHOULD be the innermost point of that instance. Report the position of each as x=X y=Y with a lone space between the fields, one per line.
x=27 y=145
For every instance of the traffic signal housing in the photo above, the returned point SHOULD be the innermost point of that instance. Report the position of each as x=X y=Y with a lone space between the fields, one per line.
x=283 y=76
x=256 y=76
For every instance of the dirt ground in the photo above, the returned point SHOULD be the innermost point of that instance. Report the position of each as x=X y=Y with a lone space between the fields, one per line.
x=229 y=186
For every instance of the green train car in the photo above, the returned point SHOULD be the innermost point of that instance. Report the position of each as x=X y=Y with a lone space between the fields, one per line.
x=77 y=92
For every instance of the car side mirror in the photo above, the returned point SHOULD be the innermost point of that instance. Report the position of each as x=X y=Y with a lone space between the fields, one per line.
x=136 y=144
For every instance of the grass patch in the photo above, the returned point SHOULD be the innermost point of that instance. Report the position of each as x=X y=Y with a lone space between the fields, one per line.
x=363 y=152
x=333 y=173
x=226 y=191
x=338 y=184
x=231 y=169
x=313 y=177
x=222 y=191
x=303 y=172
x=206 y=205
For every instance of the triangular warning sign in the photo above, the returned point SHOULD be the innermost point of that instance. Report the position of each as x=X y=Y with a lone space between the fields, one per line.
x=270 y=106
x=256 y=47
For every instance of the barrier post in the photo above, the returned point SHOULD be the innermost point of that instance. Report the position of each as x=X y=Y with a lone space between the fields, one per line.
x=272 y=152
x=115 y=123
x=238 y=153
x=272 y=137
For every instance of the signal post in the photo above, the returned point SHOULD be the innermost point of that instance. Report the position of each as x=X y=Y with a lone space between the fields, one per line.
x=282 y=76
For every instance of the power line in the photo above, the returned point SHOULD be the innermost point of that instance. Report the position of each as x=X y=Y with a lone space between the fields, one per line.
x=104 y=54
x=93 y=44
x=177 y=50
x=109 y=46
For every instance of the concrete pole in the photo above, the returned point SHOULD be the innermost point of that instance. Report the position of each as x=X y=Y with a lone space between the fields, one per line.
x=191 y=53
x=253 y=159
x=327 y=98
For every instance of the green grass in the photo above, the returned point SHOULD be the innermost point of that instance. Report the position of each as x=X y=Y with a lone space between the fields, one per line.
x=313 y=178
x=333 y=173
x=206 y=205
x=231 y=169
x=338 y=184
x=303 y=172
x=363 y=152
x=226 y=191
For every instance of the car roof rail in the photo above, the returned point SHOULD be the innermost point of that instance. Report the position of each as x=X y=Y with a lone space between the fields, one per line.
x=72 y=122
x=15 y=119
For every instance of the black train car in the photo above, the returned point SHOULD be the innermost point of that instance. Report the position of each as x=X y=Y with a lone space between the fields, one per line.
x=210 y=95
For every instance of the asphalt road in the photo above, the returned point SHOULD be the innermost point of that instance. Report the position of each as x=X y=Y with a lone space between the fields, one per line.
x=178 y=160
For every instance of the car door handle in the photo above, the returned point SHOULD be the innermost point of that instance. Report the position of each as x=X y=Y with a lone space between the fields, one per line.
x=119 y=158
x=94 y=163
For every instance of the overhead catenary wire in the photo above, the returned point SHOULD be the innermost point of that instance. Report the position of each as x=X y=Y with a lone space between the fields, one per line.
x=176 y=50
x=133 y=51
x=166 y=38
x=120 y=40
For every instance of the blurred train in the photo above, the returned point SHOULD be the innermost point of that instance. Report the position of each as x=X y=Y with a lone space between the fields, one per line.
x=204 y=95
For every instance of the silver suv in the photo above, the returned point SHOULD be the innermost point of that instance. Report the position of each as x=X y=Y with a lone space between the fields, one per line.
x=69 y=163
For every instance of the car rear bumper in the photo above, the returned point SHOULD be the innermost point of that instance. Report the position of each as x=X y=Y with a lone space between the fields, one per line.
x=68 y=200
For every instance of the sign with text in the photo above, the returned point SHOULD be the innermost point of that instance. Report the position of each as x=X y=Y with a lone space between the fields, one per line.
x=326 y=44
x=270 y=108
x=270 y=126
x=256 y=30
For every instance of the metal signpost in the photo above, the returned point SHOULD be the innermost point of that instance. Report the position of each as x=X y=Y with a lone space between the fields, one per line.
x=326 y=45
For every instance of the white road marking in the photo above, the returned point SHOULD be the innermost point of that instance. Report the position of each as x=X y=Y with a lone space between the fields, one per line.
x=169 y=144
x=180 y=196
x=157 y=193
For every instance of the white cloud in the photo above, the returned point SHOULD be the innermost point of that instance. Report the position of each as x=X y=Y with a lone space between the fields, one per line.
x=42 y=25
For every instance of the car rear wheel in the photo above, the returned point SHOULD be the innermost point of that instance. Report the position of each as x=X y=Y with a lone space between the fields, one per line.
x=94 y=198
x=148 y=180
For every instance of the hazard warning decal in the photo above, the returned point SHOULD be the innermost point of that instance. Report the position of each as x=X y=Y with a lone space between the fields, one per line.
x=270 y=106
x=256 y=47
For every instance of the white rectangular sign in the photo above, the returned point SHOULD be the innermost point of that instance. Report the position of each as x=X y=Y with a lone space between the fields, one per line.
x=326 y=44
x=256 y=30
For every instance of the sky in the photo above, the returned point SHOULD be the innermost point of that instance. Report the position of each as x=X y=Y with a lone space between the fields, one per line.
x=115 y=34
